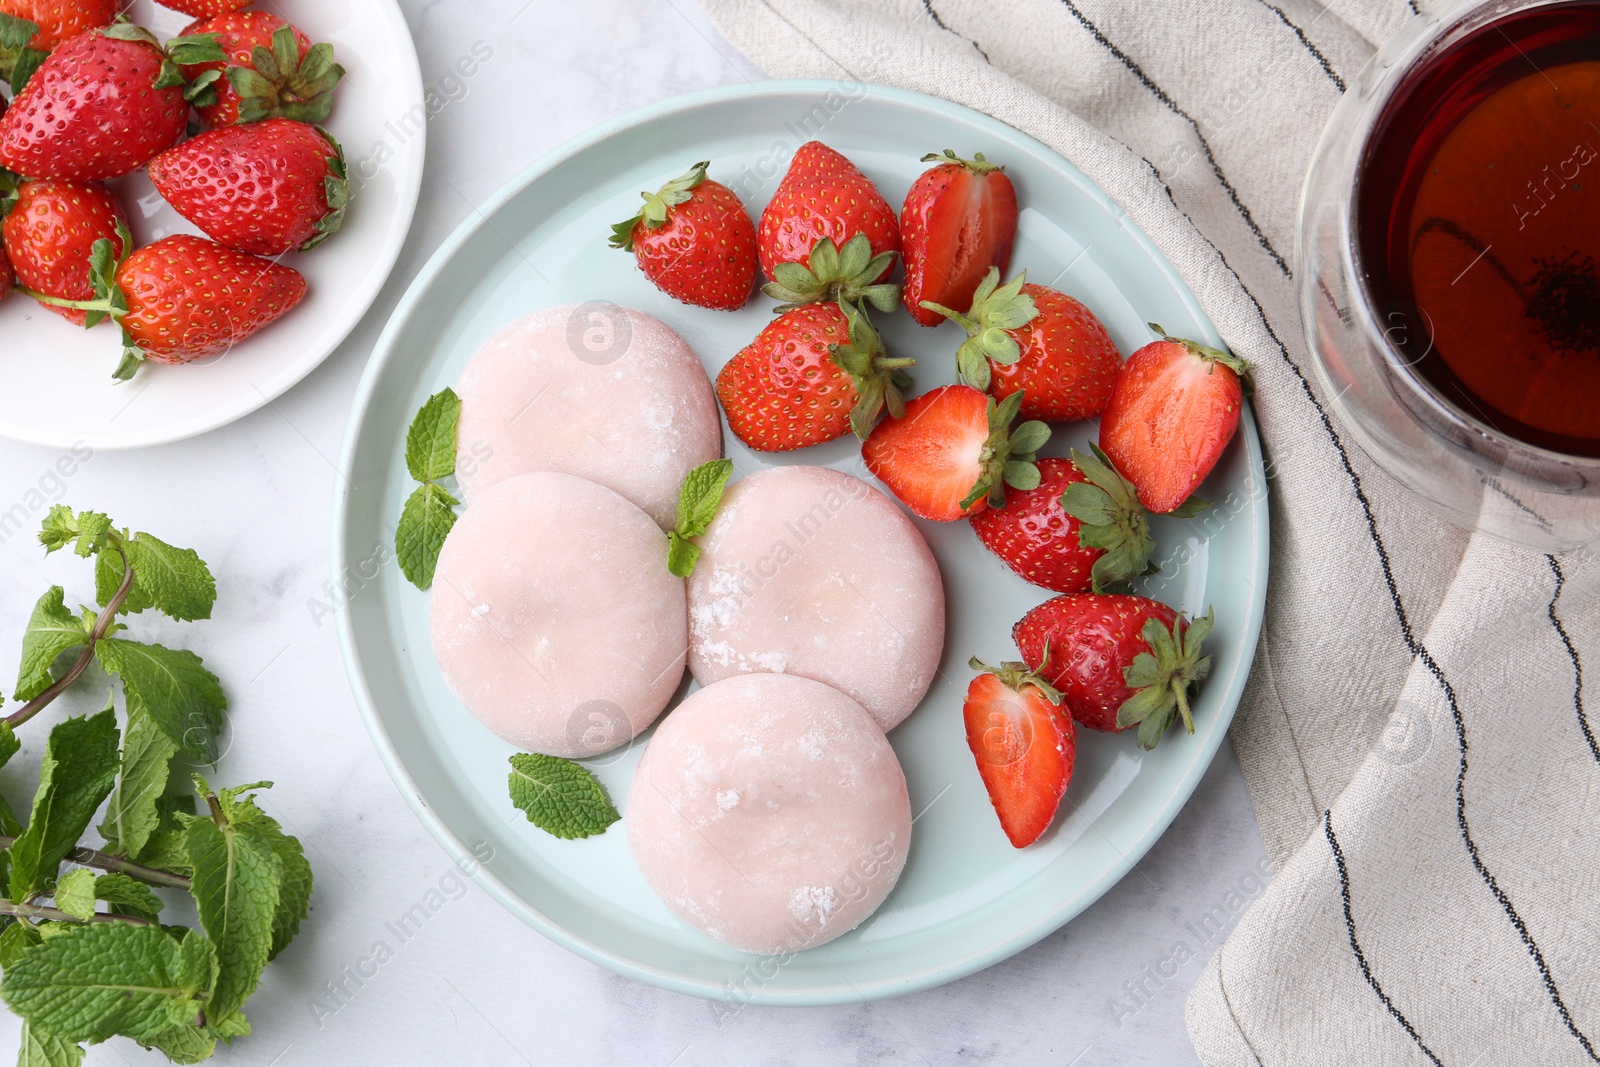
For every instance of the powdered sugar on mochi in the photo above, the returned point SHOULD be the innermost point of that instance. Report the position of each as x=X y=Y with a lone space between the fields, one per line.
x=770 y=812
x=554 y=617
x=596 y=390
x=812 y=572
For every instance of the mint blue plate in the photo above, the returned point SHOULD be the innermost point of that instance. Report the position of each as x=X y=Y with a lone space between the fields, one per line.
x=967 y=898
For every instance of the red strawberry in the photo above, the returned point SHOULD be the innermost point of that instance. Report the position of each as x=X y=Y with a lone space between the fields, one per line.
x=1025 y=746
x=694 y=241
x=1175 y=407
x=270 y=70
x=954 y=452
x=206 y=9
x=8 y=280
x=814 y=374
x=60 y=20
x=103 y=105
x=266 y=188
x=824 y=195
x=1034 y=339
x=959 y=219
x=1120 y=661
x=1080 y=529
x=50 y=232
x=184 y=298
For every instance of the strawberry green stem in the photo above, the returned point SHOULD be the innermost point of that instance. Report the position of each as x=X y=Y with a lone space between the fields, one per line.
x=78 y=305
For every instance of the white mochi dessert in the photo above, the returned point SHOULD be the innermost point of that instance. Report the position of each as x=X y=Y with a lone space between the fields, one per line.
x=812 y=572
x=554 y=617
x=600 y=391
x=770 y=813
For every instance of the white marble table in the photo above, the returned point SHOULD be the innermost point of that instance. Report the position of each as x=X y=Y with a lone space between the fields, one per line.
x=473 y=985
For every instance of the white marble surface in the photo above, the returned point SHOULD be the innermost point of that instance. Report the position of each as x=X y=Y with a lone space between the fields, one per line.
x=475 y=986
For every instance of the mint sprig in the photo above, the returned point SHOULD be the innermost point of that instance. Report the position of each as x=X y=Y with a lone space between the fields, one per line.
x=697 y=506
x=429 y=513
x=560 y=797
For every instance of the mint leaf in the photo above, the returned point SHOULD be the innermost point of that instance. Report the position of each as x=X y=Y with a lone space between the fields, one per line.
x=16 y=939
x=94 y=529
x=10 y=825
x=697 y=506
x=294 y=888
x=52 y=631
x=131 y=817
x=173 y=687
x=185 y=1044
x=128 y=896
x=165 y=850
x=235 y=888
x=79 y=768
x=424 y=524
x=74 y=893
x=40 y=1049
x=559 y=797
x=60 y=528
x=174 y=581
x=431 y=441
x=89 y=981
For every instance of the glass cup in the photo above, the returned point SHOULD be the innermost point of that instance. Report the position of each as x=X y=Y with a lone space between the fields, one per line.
x=1364 y=344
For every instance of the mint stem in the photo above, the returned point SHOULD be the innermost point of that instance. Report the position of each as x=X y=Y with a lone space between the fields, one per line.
x=36 y=911
x=102 y=626
x=104 y=861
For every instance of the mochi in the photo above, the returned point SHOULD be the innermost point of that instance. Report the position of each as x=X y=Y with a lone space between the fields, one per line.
x=600 y=391
x=812 y=572
x=554 y=617
x=770 y=813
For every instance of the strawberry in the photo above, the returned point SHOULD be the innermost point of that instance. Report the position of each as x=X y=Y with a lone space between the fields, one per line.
x=1119 y=660
x=8 y=280
x=824 y=195
x=1024 y=743
x=1080 y=529
x=1174 y=409
x=266 y=188
x=270 y=70
x=50 y=232
x=1034 y=339
x=183 y=298
x=814 y=374
x=959 y=219
x=55 y=21
x=103 y=105
x=694 y=241
x=206 y=9
x=954 y=452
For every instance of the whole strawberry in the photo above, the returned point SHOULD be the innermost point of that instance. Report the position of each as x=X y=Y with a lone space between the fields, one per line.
x=694 y=241
x=823 y=195
x=1081 y=529
x=814 y=374
x=8 y=280
x=50 y=233
x=102 y=105
x=1036 y=340
x=205 y=9
x=954 y=452
x=1025 y=745
x=266 y=188
x=60 y=20
x=270 y=70
x=959 y=220
x=1119 y=660
x=1175 y=407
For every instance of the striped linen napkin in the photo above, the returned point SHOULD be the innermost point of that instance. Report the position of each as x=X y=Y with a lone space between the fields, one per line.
x=1414 y=737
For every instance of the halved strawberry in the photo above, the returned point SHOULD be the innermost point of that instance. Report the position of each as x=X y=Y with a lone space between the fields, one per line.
x=1175 y=407
x=693 y=240
x=813 y=375
x=823 y=195
x=1025 y=745
x=1034 y=339
x=959 y=220
x=50 y=231
x=1119 y=660
x=954 y=452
